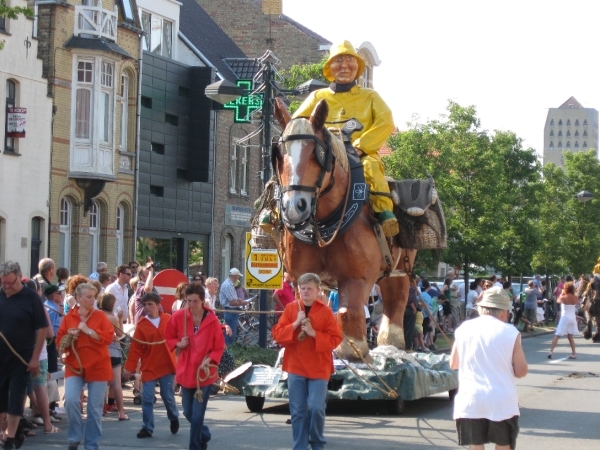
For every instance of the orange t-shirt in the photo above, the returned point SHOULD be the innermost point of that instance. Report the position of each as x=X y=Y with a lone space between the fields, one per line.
x=157 y=360
x=94 y=356
x=310 y=358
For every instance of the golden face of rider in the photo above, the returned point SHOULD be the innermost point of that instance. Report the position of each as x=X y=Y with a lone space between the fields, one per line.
x=344 y=68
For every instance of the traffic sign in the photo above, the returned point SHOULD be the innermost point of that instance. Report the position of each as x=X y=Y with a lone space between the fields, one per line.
x=263 y=267
x=165 y=282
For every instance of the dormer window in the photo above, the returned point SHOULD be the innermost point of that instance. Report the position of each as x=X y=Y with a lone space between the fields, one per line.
x=568 y=122
x=576 y=122
x=159 y=34
x=552 y=133
x=552 y=122
x=585 y=122
x=560 y=123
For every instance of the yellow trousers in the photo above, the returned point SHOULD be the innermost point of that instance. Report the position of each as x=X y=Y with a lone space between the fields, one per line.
x=375 y=178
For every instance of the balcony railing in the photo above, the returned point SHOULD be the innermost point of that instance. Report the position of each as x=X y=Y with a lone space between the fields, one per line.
x=94 y=21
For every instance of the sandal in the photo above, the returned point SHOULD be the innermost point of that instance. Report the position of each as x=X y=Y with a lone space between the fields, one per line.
x=30 y=433
x=52 y=430
x=550 y=356
x=572 y=357
x=124 y=418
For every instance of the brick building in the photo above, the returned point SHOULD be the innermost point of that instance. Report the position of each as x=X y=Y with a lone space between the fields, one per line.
x=89 y=51
x=25 y=155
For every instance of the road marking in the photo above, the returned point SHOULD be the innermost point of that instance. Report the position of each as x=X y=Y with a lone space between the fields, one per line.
x=554 y=361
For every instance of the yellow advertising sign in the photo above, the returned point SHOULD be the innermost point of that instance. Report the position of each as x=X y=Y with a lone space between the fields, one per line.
x=263 y=268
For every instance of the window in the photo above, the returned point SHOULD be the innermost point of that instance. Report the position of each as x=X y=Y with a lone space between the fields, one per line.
x=244 y=170
x=158 y=191
x=551 y=144
x=127 y=12
x=11 y=100
x=2 y=23
x=159 y=34
x=577 y=133
x=233 y=169
x=560 y=133
x=157 y=148
x=124 y=107
x=584 y=133
x=551 y=133
x=576 y=144
x=585 y=122
x=2 y=238
x=568 y=122
x=94 y=116
x=584 y=144
x=568 y=144
x=559 y=144
x=560 y=123
x=64 y=256
x=576 y=122
x=552 y=122
x=94 y=234
x=120 y=234
x=568 y=133
x=226 y=256
x=37 y=225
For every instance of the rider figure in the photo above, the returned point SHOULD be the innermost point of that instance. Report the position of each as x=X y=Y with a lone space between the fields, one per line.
x=347 y=100
x=596 y=271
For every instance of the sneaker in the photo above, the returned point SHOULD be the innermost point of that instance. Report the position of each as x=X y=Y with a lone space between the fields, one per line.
x=105 y=409
x=143 y=433
x=38 y=420
x=9 y=444
x=73 y=446
x=113 y=408
x=389 y=223
x=174 y=426
x=432 y=347
x=54 y=415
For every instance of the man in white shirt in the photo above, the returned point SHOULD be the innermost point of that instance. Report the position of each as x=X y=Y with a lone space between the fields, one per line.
x=489 y=357
x=212 y=287
x=120 y=289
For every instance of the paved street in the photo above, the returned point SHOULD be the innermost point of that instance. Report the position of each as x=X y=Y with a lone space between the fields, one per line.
x=558 y=399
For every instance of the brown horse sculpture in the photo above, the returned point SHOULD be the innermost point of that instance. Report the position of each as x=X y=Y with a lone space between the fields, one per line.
x=590 y=292
x=312 y=170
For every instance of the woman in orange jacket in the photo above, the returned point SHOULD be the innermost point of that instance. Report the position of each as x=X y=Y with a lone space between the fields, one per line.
x=196 y=332
x=308 y=360
x=84 y=336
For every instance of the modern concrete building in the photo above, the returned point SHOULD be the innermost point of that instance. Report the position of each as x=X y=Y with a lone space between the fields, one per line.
x=25 y=133
x=570 y=127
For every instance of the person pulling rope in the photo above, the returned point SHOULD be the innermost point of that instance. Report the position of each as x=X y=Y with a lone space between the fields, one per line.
x=68 y=342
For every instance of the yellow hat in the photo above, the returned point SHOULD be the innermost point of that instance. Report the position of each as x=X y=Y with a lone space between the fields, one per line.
x=343 y=48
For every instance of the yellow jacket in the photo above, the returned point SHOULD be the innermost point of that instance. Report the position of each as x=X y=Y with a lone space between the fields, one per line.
x=596 y=269
x=359 y=103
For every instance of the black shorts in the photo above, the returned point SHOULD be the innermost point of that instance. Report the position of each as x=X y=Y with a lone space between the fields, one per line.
x=484 y=431
x=116 y=361
x=14 y=378
x=447 y=309
x=427 y=325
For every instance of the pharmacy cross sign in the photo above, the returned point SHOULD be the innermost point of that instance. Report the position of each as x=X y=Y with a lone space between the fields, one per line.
x=246 y=104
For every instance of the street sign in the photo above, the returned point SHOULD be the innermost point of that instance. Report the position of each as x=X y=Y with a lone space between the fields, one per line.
x=263 y=267
x=166 y=282
x=246 y=104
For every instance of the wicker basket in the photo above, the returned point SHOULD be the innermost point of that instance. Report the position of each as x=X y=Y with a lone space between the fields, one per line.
x=429 y=235
x=261 y=239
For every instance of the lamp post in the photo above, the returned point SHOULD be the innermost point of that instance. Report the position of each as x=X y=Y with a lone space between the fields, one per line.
x=224 y=92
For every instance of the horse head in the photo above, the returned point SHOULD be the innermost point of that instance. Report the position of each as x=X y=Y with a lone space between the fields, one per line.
x=302 y=161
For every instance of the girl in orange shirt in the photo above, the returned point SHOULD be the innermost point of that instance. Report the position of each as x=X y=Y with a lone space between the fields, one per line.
x=86 y=361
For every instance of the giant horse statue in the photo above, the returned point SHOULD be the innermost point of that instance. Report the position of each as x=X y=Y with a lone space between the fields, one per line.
x=326 y=227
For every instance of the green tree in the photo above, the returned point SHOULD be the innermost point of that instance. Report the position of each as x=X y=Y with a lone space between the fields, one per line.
x=486 y=182
x=12 y=13
x=300 y=73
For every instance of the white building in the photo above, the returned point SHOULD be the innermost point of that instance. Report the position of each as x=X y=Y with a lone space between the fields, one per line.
x=24 y=161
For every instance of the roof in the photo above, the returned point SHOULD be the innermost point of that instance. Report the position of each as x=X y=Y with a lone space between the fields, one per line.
x=244 y=68
x=96 y=44
x=305 y=30
x=571 y=104
x=204 y=34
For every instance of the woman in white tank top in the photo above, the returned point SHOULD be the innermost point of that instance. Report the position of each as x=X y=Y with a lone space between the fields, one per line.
x=568 y=322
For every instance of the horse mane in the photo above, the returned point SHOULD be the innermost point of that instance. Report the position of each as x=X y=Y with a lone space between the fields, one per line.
x=303 y=126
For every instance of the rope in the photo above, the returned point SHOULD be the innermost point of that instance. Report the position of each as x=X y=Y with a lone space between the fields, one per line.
x=10 y=347
x=203 y=374
x=68 y=341
x=244 y=311
x=390 y=392
x=135 y=339
x=436 y=324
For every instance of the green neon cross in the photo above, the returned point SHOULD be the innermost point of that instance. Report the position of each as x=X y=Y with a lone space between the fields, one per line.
x=245 y=105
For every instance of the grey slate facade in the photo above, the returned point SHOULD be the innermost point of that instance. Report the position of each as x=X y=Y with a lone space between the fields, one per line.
x=175 y=183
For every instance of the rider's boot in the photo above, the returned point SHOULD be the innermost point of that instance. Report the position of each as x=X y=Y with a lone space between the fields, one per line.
x=389 y=223
x=265 y=221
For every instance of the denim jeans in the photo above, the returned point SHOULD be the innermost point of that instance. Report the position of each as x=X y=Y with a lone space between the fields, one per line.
x=93 y=425
x=194 y=412
x=307 y=405
x=232 y=321
x=168 y=397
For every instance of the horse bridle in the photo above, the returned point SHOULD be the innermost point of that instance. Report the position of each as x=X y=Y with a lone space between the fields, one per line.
x=324 y=155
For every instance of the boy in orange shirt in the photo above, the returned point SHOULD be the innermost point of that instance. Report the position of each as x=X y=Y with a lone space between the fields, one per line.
x=308 y=361
x=158 y=364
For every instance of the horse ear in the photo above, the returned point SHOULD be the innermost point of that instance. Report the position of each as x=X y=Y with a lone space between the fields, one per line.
x=319 y=115
x=281 y=113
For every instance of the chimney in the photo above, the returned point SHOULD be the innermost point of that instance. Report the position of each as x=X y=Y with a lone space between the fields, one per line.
x=272 y=7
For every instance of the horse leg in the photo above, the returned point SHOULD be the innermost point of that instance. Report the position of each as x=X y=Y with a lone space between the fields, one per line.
x=351 y=318
x=394 y=291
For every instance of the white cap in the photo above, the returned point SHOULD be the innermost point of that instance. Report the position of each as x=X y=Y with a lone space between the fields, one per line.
x=234 y=271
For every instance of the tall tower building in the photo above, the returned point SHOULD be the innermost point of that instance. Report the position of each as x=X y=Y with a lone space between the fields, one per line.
x=570 y=127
